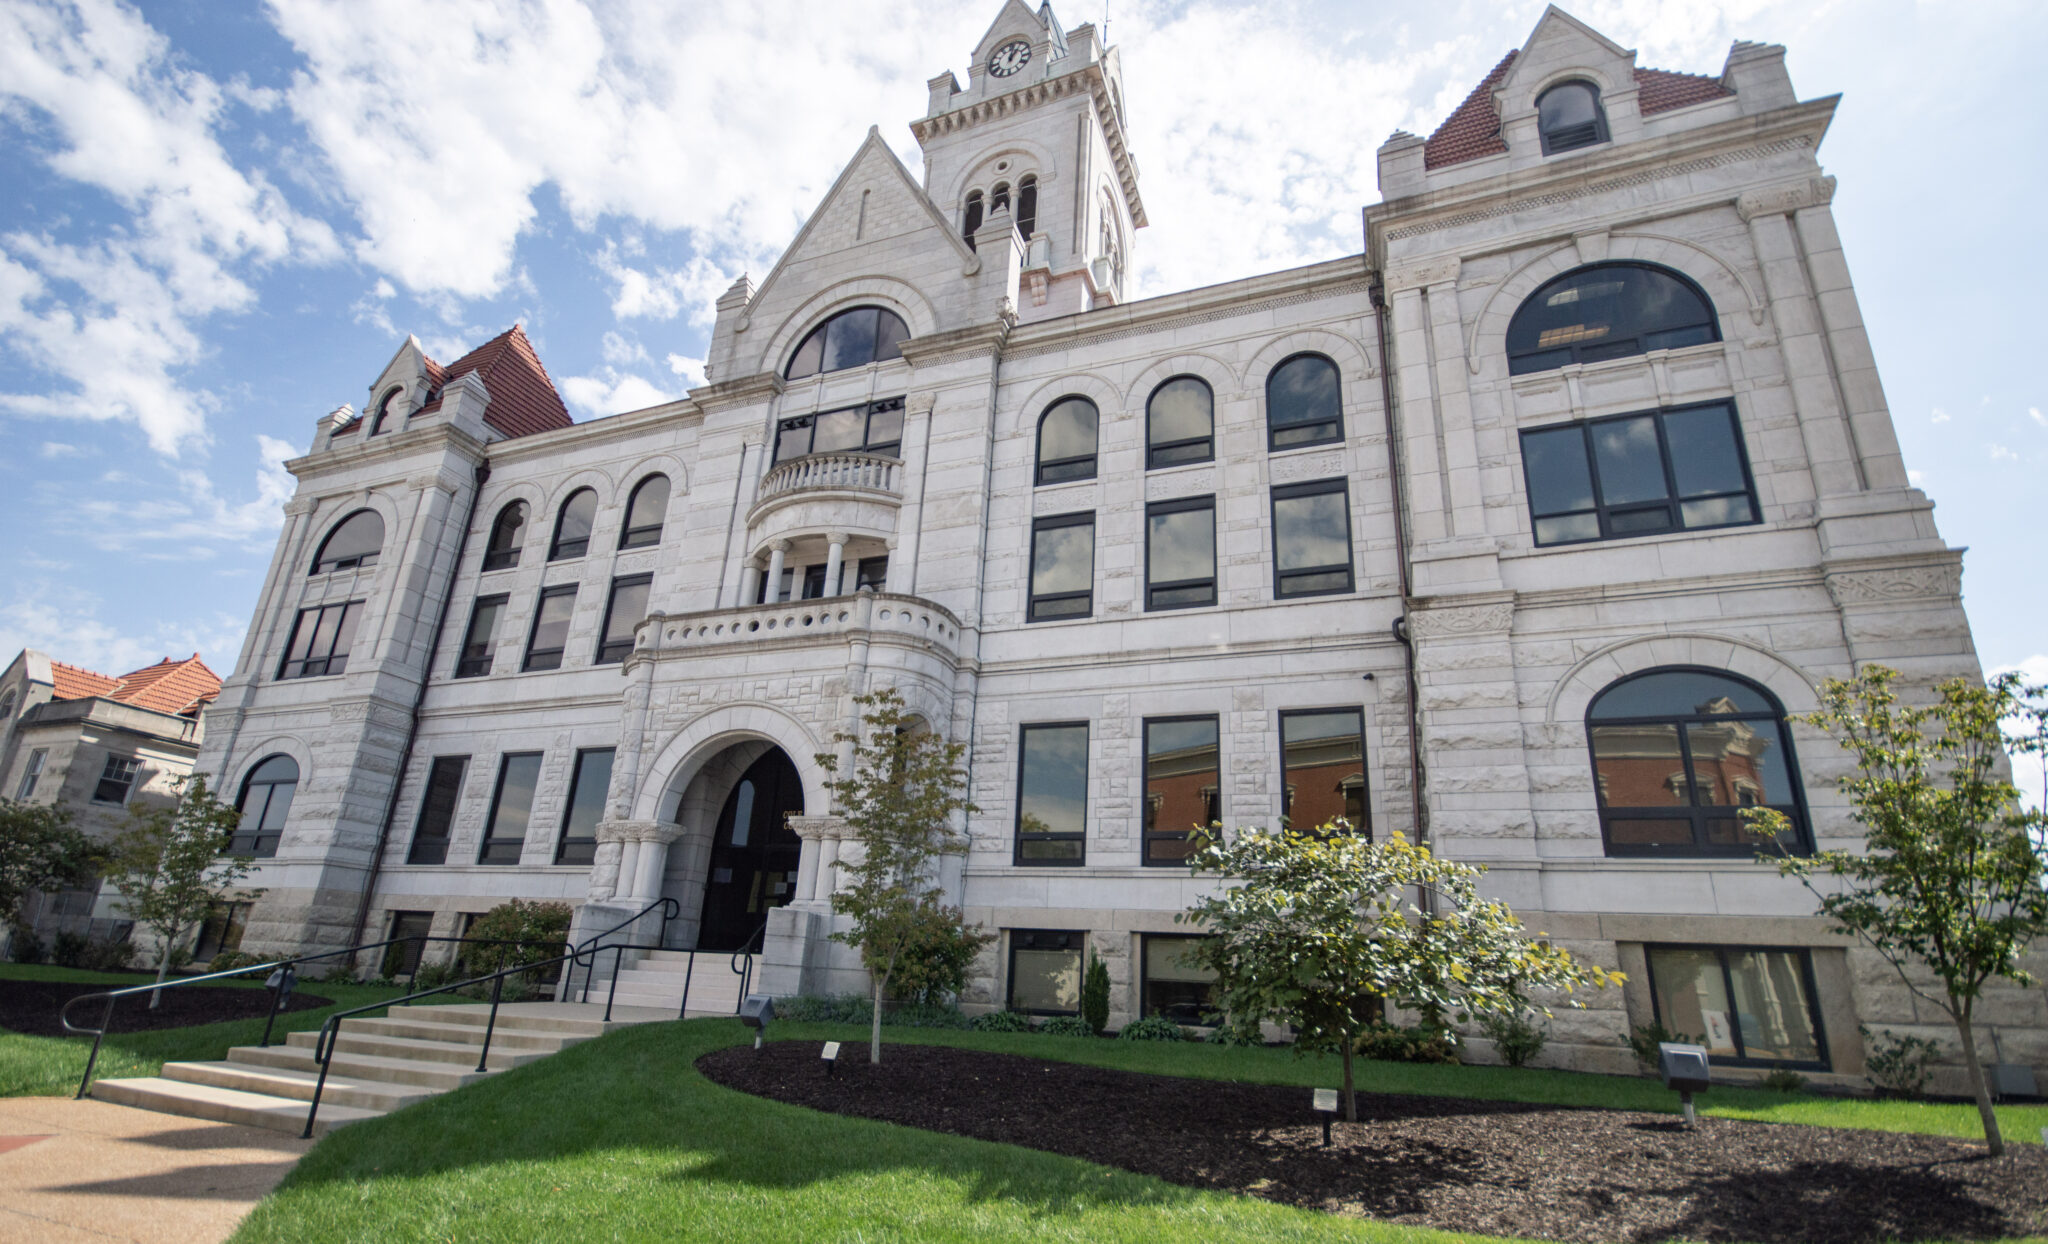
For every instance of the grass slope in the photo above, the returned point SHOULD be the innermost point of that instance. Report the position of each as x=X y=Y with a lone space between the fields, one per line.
x=48 y=1066
x=621 y=1139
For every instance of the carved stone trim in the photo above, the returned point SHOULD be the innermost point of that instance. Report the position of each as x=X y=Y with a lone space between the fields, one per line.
x=1429 y=272
x=1461 y=621
x=662 y=832
x=301 y=505
x=1879 y=587
x=1786 y=199
x=819 y=828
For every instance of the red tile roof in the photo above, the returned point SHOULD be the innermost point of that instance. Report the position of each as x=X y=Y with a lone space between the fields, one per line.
x=73 y=683
x=523 y=397
x=1473 y=129
x=169 y=686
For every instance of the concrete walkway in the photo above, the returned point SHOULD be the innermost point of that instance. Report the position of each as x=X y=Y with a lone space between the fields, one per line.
x=90 y=1170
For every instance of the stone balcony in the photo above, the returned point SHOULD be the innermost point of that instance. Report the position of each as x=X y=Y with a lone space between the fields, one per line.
x=852 y=491
x=834 y=622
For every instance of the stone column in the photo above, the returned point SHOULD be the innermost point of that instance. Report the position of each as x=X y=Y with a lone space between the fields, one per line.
x=750 y=582
x=779 y=549
x=653 y=860
x=821 y=835
x=835 y=558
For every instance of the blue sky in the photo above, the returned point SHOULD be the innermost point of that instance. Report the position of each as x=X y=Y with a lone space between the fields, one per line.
x=219 y=219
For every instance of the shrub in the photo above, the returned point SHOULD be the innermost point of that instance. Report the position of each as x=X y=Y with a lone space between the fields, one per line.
x=922 y=1015
x=1067 y=1026
x=1643 y=1040
x=1152 y=1028
x=1001 y=1021
x=1227 y=1033
x=1095 y=996
x=1896 y=1064
x=107 y=956
x=25 y=947
x=1389 y=1043
x=228 y=960
x=434 y=975
x=541 y=928
x=1784 y=1080
x=849 y=1008
x=1519 y=1036
x=67 y=950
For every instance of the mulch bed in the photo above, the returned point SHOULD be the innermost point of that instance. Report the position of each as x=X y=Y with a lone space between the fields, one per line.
x=31 y=1006
x=1496 y=1168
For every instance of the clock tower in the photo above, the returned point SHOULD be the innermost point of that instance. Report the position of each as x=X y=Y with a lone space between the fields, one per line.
x=1037 y=138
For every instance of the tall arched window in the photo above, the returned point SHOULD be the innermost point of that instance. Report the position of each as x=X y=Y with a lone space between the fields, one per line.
x=1608 y=311
x=645 y=513
x=266 y=801
x=1066 y=441
x=1180 y=423
x=970 y=219
x=1568 y=116
x=383 y=409
x=573 y=524
x=354 y=542
x=506 y=535
x=852 y=338
x=1303 y=403
x=999 y=198
x=1027 y=205
x=1679 y=752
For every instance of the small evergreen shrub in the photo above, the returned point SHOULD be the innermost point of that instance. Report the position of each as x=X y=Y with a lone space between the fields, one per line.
x=1152 y=1028
x=1643 y=1040
x=1067 y=1026
x=107 y=956
x=1784 y=1080
x=1518 y=1037
x=25 y=946
x=1001 y=1021
x=1898 y=1065
x=1095 y=996
x=1390 y=1043
x=67 y=950
x=228 y=960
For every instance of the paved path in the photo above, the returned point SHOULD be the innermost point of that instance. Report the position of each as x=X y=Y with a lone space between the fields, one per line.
x=93 y=1171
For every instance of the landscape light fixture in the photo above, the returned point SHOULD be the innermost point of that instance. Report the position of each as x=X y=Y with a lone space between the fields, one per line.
x=1684 y=1068
x=284 y=980
x=755 y=1013
x=831 y=1056
x=1326 y=1106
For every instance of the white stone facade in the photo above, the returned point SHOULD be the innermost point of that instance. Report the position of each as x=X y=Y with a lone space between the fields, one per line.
x=1511 y=641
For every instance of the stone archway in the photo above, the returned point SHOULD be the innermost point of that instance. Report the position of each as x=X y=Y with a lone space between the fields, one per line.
x=735 y=857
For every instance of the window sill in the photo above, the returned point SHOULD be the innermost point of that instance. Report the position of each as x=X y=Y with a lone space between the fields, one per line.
x=1287 y=451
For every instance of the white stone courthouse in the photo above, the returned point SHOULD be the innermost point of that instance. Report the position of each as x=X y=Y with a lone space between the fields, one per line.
x=1528 y=531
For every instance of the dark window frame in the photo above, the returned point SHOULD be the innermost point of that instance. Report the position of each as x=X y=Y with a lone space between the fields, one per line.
x=255 y=840
x=433 y=848
x=360 y=561
x=614 y=651
x=880 y=449
x=1673 y=503
x=383 y=410
x=1335 y=423
x=402 y=958
x=1608 y=347
x=875 y=354
x=331 y=662
x=533 y=631
x=121 y=771
x=1147 y=834
x=1313 y=488
x=32 y=773
x=467 y=663
x=1145 y=1005
x=488 y=840
x=1696 y=813
x=1019 y=837
x=565 y=846
x=1017 y=940
x=1056 y=522
x=646 y=535
x=1208 y=442
x=504 y=558
x=1042 y=464
x=1804 y=956
x=1578 y=137
x=1027 y=205
x=971 y=214
x=221 y=929
x=1179 y=505
x=1363 y=827
x=560 y=550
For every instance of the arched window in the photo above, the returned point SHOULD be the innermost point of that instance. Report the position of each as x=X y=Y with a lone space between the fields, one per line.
x=970 y=220
x=506 y=535
x=1066 y=441
x=1180 y=423
x=1679 y=752
x=1027 y=205
x=383 y=408
x=1568 y=116
x=573 y=524
x=999 y=198
x=266 y=801
x=1607 y=311
x=354 y=542
x=1303 y=403
x=645 y=512
x=850 y=339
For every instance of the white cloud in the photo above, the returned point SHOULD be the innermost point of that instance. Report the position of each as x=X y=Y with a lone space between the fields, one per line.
x=689 y=370
x=619 y=351
x=1916 y=478
x=2034 y=413
x=65 y=621
x=662 y=293
x=2000 y=453
x=192 y=524
x=58 y=449
x=2027 y=770
x=1940 y=415
x=609 y=391
x=114 y=320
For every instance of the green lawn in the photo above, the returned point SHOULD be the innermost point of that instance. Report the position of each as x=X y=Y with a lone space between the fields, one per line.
x=45 y=1066
x=621 y=1139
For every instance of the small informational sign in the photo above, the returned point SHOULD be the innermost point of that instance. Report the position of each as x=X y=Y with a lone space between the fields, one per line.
x=1326 y=1101
x=831 y=1051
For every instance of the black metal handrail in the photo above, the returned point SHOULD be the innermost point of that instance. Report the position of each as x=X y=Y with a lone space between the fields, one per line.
x=277 y=996
x=743 y=961
x=670 y=909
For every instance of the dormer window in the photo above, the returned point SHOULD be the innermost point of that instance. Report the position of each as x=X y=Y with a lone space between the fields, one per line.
x=1568 y=116
x=852 y=338
x=383 y=409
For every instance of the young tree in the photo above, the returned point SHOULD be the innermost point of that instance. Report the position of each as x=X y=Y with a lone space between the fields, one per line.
x=905 y=787
x=40 y=849
x=169 y=867
x=1324 y=924
x=1950 y=876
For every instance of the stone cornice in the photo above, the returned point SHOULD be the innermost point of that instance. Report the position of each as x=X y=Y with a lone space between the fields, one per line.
x=1783 y=199
x=1895 y=580
x=739 y=391
x=386 y=447
x=957 y=343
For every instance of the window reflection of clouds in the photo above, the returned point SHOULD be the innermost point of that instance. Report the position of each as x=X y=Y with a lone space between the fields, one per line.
x=1055 y=785
x=1182 y=545
x=1312 y=531
x=1064 y=560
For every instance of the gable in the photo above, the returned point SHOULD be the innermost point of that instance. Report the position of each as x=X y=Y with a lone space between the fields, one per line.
x=1015 y=21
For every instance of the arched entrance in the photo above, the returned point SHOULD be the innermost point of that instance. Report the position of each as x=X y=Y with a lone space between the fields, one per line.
x=753 y=853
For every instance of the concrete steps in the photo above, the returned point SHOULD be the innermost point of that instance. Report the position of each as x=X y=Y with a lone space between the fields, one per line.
x=658 y=981
x=377 y=1066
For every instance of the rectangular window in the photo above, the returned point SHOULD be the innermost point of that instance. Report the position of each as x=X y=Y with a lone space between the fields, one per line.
x=1062 y=567
x=511 y=809
x=1052 y=794
x=1747 y=1006
x=1183 y=784
x=115 y=779
x=1311 y=539
x=1174 y=984
x=34 y=771
x=1633 y=475
x=476 y=657
x=437 y=811
x=814 y=581
x=550 y=636
x=586 y=806
x=402 y=958
x=1322 y=767
x=626 y=610
x=875 y=428
x=873 y=572
x=1180 y=553
x=1045 y=971
x=320 y=640
x=222 y=930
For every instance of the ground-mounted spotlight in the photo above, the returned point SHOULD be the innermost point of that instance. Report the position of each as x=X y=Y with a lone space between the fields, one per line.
x=1326 y=1106
x=1684 y=1068
x=831 y=1056
x=755 y=1013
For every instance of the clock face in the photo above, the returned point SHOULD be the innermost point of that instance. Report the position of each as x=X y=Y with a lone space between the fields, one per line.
x=1009 y=58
